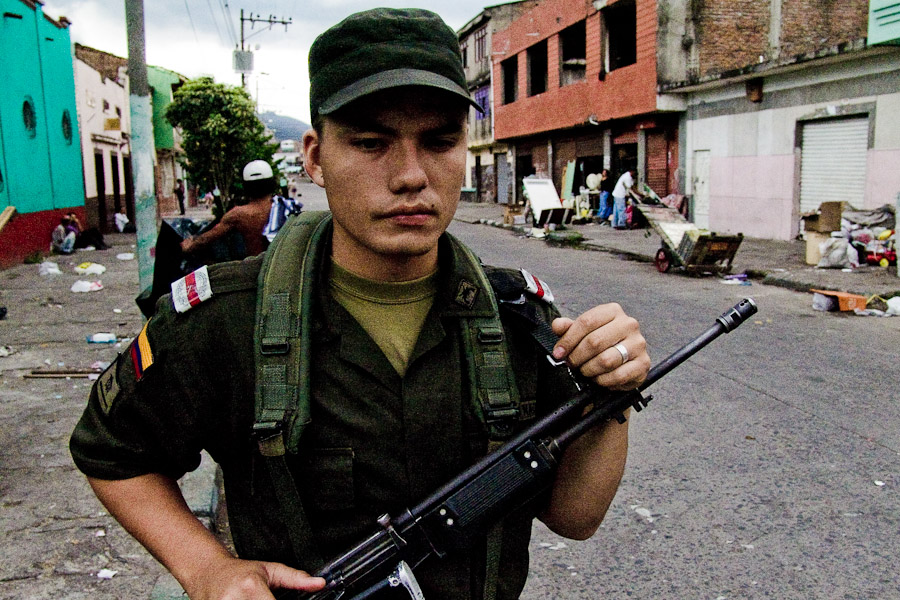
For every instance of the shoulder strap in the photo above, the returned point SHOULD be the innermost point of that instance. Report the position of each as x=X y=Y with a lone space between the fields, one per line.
x=281 y=411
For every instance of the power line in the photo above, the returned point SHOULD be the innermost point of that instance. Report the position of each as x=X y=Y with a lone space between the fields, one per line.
x=215 y=22
x=191 y=19
x=227 y=16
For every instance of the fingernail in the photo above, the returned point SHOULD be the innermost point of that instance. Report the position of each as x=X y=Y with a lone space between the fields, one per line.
x=559 y=352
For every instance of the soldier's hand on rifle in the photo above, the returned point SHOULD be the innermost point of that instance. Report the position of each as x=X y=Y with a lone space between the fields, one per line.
x=236 y=579
x=605 y=345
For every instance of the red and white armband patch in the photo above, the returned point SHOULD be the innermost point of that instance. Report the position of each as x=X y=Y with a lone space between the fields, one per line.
x=191 y=290
x=536 y=287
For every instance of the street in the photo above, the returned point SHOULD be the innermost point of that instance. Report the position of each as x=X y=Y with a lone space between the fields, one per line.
x=765 y=466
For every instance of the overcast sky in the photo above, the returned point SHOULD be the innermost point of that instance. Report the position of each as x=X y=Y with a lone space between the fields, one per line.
x=197 y=37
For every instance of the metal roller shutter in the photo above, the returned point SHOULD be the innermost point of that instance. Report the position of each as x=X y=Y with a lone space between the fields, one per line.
x=833 y=162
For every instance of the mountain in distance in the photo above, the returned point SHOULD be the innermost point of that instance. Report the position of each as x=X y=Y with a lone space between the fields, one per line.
x=283 y=127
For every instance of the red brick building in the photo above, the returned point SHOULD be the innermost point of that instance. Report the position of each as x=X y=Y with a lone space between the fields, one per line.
x=575 y=83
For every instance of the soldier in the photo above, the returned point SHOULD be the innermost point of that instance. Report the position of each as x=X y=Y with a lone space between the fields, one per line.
x=385 y=408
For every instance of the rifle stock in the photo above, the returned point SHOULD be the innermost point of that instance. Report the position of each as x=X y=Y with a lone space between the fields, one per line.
x=488 y=490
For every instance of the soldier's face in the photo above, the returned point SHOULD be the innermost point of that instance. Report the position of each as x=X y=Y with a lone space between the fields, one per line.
x=392 y=165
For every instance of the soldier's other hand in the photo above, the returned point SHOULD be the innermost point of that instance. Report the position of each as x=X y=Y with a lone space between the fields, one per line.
x=597 y=344
x=236 y=579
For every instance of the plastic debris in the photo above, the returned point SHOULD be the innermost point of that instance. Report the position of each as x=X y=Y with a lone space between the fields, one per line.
x=125 y=256
x=6 y=351
x=893 y=306
x=90 y=268
x=102 y=338
x=879 y=483
x=49 y=268
x=106 y=574
x=87 y=286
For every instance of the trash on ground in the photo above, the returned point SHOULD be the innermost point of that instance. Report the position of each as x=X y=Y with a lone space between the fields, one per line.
x=828 y=300
x=99 y=365
x=125 y=256
x=87 y=286
x=106 y=574
x=90 y=268
x=101 y=338
x=893 y=306
x=49 y=268
x=117 y=310
x=59 y=373
x=879 y=483
x=6 y=351
x=735 y=282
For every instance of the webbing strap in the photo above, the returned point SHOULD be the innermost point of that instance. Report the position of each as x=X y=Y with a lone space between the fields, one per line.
x=492 y=563
x=291 y=504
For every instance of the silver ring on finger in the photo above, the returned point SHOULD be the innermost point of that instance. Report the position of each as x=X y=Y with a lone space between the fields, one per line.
x=624 y=352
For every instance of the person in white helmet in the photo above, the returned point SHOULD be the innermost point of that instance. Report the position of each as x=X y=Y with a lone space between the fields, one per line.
x=249 y=219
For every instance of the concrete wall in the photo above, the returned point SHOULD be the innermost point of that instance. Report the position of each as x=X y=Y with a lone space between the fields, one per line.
x=754 y=148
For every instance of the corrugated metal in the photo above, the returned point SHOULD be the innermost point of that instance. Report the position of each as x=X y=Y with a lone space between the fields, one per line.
x=833 y=162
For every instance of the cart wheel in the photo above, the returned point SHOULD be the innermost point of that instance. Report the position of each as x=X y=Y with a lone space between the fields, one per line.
x=663 y=260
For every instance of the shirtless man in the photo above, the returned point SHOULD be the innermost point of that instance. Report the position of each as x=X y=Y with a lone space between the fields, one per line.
x=248 y=220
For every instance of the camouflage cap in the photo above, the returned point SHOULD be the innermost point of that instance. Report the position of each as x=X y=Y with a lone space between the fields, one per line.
x=380 y=49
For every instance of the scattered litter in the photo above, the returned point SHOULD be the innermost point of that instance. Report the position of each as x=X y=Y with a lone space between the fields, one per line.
x=735 y=282
x=871 y=312
x=556 y=546
x=645 y=513
x=99 y=365
x=117 y=310
x=90 y=268
x=879 y=483
x=49 y=268
x=101 y=338
x=6 y=351
x=100 y=533
x=828 y=300
x=125 y=256
x=893 y=306
x=87 y=286
x=106 y=574
x=59 y=374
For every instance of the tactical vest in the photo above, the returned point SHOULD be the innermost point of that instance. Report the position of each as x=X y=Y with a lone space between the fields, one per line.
x=282 y=349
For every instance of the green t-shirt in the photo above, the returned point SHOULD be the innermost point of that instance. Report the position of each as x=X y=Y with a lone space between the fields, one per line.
x=392 y=313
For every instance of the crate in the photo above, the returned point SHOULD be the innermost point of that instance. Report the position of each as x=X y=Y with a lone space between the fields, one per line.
x=708 y=251
x=845 y=300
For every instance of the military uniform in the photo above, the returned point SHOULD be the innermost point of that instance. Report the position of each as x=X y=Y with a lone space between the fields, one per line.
x=378 y=443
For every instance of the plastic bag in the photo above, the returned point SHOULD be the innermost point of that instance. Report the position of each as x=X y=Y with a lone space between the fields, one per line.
x=89 y=268
x=87 y=286
x=893 y=306
x=49 y=268
x=837 y=253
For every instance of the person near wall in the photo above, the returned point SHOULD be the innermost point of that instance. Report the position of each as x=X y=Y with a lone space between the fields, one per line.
x=179 y=193
x=606 y=200
x=623 y=189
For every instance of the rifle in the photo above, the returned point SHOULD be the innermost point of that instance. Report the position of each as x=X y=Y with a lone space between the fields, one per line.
x=488 y=490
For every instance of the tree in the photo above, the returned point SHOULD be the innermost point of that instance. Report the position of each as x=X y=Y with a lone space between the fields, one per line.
x=221 y=133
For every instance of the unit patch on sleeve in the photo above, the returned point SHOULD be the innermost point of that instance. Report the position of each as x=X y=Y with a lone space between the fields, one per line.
x=191 y=290
x=536 y=287
x=108 y=386
x=141 y=353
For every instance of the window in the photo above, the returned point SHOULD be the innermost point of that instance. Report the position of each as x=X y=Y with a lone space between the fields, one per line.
x=483 y=99
x=29 y=117
x=510 y=71
x=572 y=54
x=464 y=51
x=621 y=39
x=480 y=44
x=537 y=68
x=67 y=126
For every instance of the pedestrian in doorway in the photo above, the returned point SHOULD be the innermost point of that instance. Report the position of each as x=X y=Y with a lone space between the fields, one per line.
x=389 y=299
x=606 y=201
x=179 y=193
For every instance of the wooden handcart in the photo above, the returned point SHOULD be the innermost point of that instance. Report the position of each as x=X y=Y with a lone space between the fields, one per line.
x=686 y=246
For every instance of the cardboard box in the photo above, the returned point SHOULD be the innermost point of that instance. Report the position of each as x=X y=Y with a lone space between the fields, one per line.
x=813 y=240
x=511 y=211
x=826 y=219
x=845 y=300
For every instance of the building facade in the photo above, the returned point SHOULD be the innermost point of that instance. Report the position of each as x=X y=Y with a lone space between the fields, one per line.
x=575 y=87
x=487 y=163
x=104 y=118
x=167 y=141
x=787 y=105
x=40 y=155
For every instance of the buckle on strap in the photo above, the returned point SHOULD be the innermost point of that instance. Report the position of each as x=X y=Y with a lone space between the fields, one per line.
x=269 y=438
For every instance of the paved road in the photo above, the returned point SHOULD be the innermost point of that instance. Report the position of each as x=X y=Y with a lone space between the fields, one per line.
x=766 y=467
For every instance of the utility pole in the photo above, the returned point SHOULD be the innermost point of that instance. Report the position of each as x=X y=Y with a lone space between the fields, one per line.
x=142 y=147
x=253 y=20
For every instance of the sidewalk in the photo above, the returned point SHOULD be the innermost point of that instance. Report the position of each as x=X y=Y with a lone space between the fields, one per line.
x=771 y=262
x=57 y=541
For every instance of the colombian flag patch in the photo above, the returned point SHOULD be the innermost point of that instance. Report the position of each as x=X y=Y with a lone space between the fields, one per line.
x=141 y=354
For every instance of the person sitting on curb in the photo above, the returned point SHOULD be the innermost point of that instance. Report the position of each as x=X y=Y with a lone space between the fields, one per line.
x=249 y=219
x=63 y=237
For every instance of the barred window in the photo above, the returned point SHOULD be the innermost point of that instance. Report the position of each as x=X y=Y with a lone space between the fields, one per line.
x=480 y=44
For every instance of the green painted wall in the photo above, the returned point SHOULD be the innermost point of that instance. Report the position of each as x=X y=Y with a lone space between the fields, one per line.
x=25 y=151
x=161 y=82
x=41 y=170
x=61 y=116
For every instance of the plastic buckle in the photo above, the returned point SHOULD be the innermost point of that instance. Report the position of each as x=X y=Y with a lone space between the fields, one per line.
x=272 y=346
